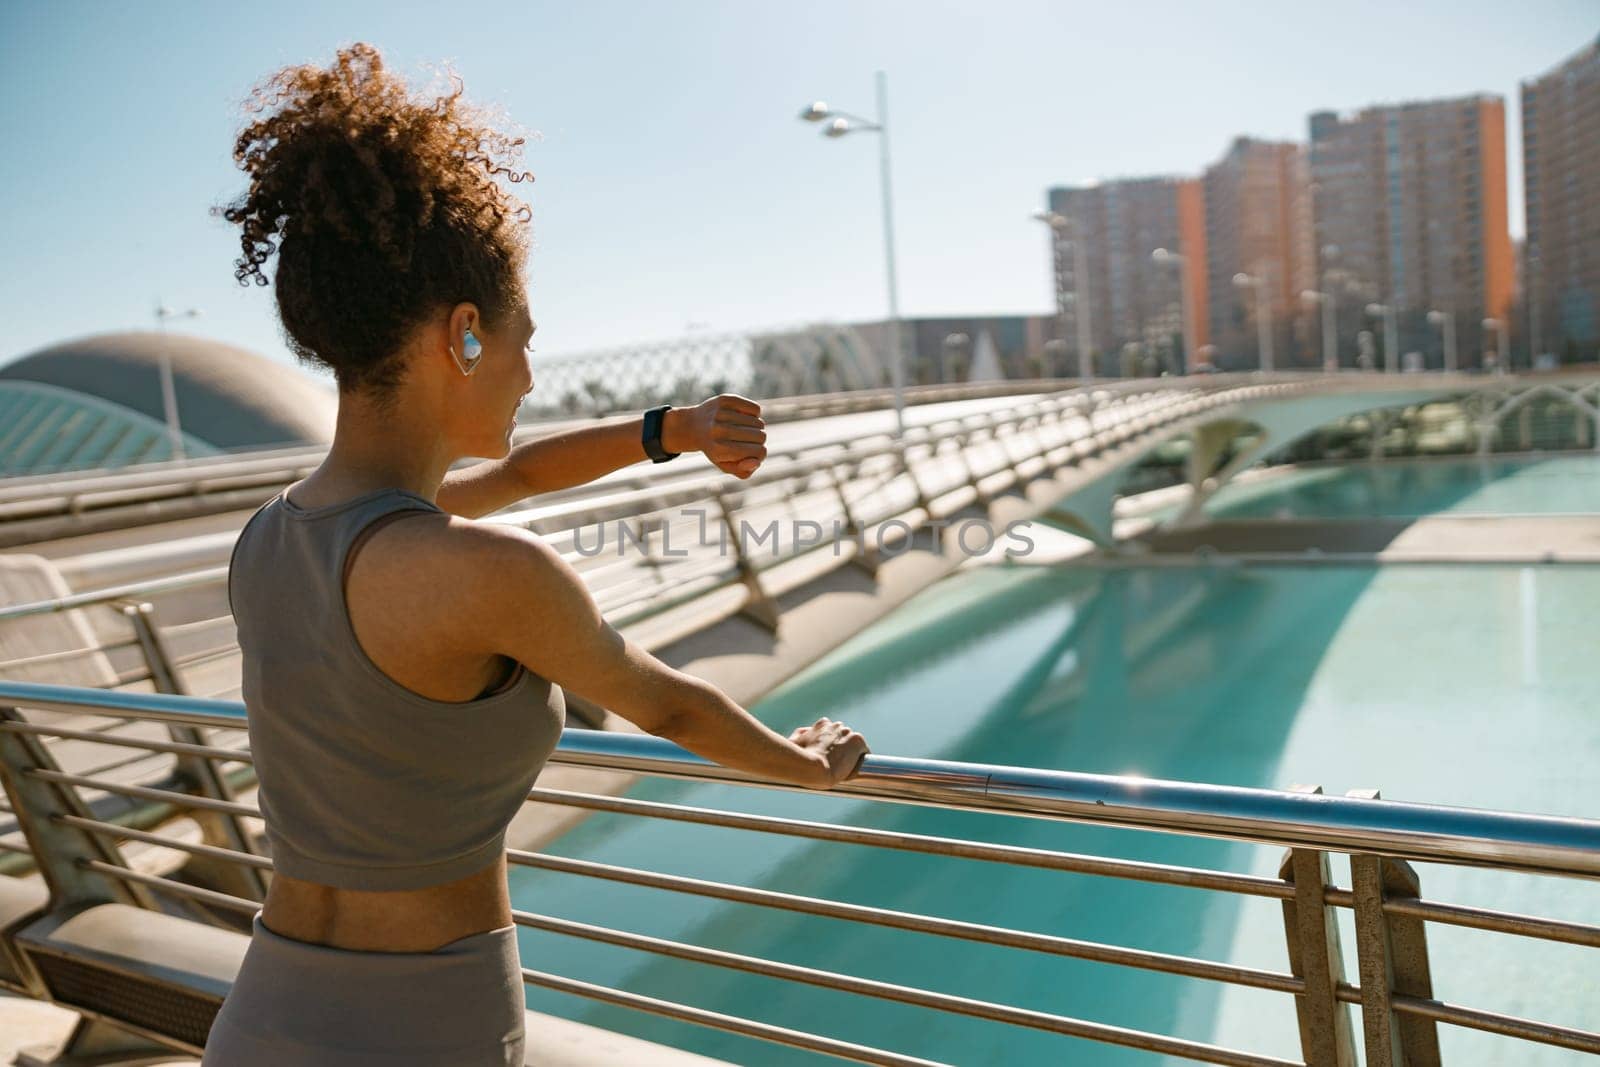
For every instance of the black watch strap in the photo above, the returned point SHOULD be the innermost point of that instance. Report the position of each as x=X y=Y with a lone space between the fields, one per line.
x=654 y=419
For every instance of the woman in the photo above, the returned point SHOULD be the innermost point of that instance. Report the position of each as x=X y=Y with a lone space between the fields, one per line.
x=404 y=666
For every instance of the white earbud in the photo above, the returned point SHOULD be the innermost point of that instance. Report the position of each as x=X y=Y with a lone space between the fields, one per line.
x=473 y=351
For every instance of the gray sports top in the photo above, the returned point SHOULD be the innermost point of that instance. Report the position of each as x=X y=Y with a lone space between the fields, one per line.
x=365 y=784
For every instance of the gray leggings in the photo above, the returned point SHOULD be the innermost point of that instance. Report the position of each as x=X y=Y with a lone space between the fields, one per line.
x=310 y=1005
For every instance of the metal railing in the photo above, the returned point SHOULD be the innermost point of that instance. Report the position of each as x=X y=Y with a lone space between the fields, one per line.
x=868 y=489
x=32 y=507
x=237 y=479
x=863 y=484
x=1399 y=1014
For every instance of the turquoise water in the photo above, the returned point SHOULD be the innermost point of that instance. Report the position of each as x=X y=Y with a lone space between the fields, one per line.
x=1471 y=685
x=1564 y=484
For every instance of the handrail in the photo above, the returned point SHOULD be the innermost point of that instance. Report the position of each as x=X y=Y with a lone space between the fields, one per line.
x=86 y=868
x=1545 y=844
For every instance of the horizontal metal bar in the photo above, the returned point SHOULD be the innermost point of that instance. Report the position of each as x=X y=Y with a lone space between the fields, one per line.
x=111 y=829
x=214 y=752
x=183 y=889
x=717 y=1020
x=1479 y=918
x=918 y=923
x=1019 y=855
x=1498 y=921
x=172 y=629
x=150 y=707
x=143 y=588
x=1496 y=1023
x=166 y=796
x=65 y=654
x=1468 y=836
x=946 y=1002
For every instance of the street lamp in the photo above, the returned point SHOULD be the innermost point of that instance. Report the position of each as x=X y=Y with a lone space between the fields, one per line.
x=1502 y=344
x=1178 y=259
x=169 y=395
x=1063 y=233
x=1391 y=335
x=844 y=123
x=1258 y=282
x=1330 y=342
x=1446 y=320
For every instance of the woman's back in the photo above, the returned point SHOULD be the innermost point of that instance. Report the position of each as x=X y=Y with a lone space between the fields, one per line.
x=366 y=784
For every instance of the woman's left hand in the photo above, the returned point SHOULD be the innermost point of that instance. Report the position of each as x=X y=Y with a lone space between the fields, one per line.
x=728 y=428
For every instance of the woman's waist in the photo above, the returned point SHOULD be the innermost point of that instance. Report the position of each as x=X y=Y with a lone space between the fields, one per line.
x=390 y=920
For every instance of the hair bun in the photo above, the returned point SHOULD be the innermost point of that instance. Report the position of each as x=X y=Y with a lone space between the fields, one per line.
x=381 y=207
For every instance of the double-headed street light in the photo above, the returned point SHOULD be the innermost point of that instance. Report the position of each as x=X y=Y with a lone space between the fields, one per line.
x=169 y=395
x=1391 y=335
x=1446 y=320
x=1063 y=234
x=842 y=123
x=1258 y=282
x=1179 y=260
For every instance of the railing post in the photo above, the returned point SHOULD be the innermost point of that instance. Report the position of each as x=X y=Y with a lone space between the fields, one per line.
x=1393 y=958
x=980 y=497
x=867 y=557
x=758 y=606
x=197 y=774
x=1011 y=459
x=59 y=850
x=923 y=500
x=1326 y=1036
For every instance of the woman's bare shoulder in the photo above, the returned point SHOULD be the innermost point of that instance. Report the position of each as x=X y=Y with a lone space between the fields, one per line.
x=466 y=571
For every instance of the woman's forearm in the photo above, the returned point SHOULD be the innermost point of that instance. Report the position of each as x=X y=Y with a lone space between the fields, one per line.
x=575 y=457
x=713 y=725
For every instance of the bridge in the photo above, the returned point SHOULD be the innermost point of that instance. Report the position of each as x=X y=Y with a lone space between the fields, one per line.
x=115 y=582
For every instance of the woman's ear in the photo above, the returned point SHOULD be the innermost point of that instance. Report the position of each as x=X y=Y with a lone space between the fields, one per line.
x=462 y=319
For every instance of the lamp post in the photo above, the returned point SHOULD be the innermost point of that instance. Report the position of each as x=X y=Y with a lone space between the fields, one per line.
x=845 y=123
x=1065 y=232
x=1446 y=320
x=1391 y=336
x=1258 y=282
x=169 y=394
x=1330 y=342
x=1502 y=344
x=1178 y=259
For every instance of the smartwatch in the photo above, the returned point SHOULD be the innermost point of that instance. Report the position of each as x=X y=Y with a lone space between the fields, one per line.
x=653 y=420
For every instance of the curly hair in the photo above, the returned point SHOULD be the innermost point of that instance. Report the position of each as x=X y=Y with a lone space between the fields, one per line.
x=384 y=209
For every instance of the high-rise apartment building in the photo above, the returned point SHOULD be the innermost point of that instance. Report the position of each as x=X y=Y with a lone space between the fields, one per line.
x=1132 y=299
x=1409 y=210
x=1561 y=168
x=1258 y=223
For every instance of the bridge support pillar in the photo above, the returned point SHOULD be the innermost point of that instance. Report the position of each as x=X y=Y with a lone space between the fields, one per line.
x=1211 y=441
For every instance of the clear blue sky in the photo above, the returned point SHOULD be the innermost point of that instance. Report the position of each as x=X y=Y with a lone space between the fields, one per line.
x=675 y=184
